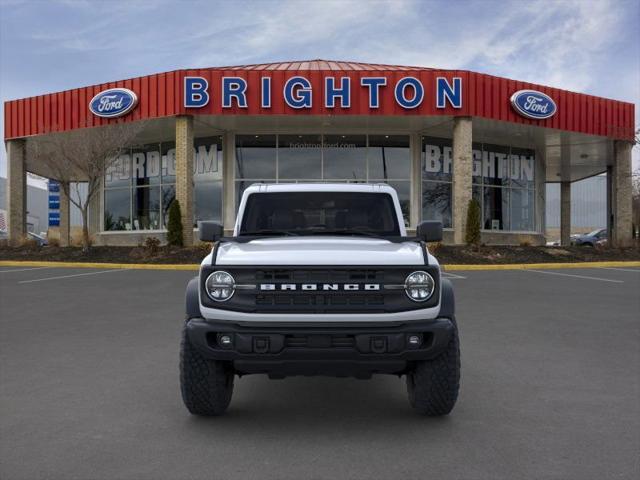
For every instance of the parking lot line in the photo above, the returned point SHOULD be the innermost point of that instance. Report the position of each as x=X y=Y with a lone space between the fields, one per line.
x=575 y=276
x=70 y=276
x=452 y=275
x=23 y=269
x=637 y=270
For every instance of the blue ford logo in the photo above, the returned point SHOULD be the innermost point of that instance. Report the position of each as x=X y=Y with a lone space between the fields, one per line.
x=533 y=104
x=114 y=102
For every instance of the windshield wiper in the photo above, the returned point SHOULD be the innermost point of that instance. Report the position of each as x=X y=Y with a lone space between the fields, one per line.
x=266 y=231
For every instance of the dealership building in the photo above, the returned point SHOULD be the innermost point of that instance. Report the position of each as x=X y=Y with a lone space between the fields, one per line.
x=439 y=137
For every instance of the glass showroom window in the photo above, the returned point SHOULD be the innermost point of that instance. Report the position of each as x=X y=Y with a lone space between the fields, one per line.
x=523 y=194
x=344 y=157
x=389 y=161
x=117 y=194
x=495 y=181
x=505 y=176
x=146 y=179
x=328 y=158
x=437 y=180
x=503 y=184
x=256 y=161
x=140 y=185
x=145 y=170
x=207 y=179
x=168 y=171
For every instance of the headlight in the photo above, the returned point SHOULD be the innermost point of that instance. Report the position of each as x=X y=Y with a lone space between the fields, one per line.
x=419 y=286
x=220 y=286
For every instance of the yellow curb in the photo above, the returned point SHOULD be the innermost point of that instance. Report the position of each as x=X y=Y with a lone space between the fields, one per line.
x=525 y=266
x=132 y=266
x=191 y=267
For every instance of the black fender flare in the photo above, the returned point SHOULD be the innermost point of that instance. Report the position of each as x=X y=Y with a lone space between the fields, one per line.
x=447 y=299
x=192 y=299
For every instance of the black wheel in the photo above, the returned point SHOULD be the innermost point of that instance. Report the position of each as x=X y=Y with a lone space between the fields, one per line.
x=206 y=385
x=433 y=385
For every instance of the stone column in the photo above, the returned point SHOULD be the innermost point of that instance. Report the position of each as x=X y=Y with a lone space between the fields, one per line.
x=462 y=175
x=16 y=191
x=184 y=174
x=65 y=215
x=415 y=211
x=621 y=183
x=565 y=213
x=228 y=182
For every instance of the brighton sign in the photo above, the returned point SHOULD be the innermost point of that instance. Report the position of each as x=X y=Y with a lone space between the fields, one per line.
x=113 y=103
x=533 y=104
x=298 y=93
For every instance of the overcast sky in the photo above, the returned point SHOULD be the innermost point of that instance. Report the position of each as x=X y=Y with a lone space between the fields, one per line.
x=582 y=45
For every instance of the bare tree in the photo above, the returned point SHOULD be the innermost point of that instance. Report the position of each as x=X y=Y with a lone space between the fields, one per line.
x=82 y=156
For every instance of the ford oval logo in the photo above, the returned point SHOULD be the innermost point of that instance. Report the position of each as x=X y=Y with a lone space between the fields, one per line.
x=114 y=102
x=533 y=104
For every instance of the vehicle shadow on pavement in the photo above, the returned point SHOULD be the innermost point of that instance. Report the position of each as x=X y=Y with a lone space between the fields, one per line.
x=301 y=403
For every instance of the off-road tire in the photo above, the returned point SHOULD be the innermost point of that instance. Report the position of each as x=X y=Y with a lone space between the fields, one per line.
x=433 y=385
x=206 y=385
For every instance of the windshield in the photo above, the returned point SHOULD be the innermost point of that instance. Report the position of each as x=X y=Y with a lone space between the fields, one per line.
x=317 y=213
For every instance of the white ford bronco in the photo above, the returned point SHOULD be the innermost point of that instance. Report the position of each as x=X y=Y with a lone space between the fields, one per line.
x=319 y=279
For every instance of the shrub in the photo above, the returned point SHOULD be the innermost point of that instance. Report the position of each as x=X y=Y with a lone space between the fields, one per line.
x=28 y=243
x=75 y=237
x=434 y=247
x=174 y=226
x=472 y=234
x=152 y=245
x=54 y=242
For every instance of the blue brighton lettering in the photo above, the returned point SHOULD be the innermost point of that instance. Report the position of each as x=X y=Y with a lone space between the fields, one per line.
x=195 y=92
x=445 y=92
x=234 y=87
x=297 y=93
x=331 y=92
x=373 y=84
x=266 y=92
x=400 y=92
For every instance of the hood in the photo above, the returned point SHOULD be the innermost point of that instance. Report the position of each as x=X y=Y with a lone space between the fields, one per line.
x=320 y=251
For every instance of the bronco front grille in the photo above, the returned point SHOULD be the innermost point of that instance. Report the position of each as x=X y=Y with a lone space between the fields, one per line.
x=254 y=297
x=320 y=299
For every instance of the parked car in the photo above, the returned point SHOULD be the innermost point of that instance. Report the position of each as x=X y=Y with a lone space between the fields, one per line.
x=591 y=239
x=320 y=280
x=41 y=240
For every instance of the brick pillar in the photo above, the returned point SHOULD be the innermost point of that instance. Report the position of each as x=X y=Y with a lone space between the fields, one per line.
x=228 y=182
x=462 y=175
x=621 y=185
x=65 y=215
x=565 y=213
x=16 y=191
x=416 y=181
x=184 y=174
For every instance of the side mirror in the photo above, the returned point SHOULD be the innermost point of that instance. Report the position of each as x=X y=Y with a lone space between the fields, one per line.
x=209 y=231
x=430 y=231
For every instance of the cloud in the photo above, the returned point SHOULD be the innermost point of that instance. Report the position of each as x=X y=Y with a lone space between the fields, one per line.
x=583 y=45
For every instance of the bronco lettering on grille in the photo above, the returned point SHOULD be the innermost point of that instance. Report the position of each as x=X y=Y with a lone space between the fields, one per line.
x=319 y=286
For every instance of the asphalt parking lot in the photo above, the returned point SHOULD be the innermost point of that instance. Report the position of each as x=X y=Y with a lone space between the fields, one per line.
x=89 y=388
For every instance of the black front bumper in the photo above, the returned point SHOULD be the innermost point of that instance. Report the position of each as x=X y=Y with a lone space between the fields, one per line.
x=344 y=351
